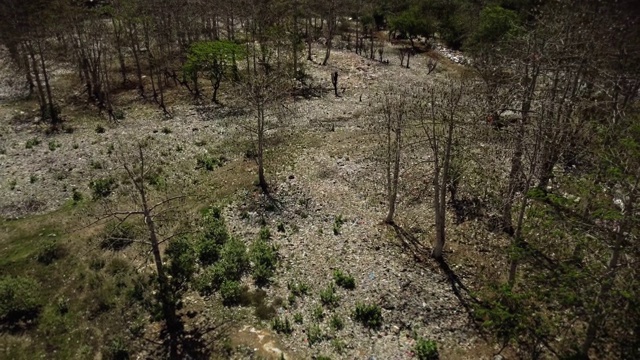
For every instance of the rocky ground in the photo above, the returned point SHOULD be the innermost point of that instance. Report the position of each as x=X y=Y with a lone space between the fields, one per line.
x=327 y=172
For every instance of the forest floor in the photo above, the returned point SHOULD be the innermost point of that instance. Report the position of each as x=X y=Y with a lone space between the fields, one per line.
x=321 y=167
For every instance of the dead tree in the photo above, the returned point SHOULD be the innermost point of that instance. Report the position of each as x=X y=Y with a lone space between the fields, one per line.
x=334 y=81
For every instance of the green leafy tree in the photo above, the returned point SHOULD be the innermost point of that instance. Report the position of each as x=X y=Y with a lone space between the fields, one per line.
x=213 y=58
x=411 y=23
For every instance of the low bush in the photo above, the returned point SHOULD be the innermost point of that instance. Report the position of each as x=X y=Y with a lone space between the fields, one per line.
x=336 y=322
x=181 y=263
x=315 y=335
x=297 y=318
x=426 y=349
x=19 y=298
x=265 y=259
x=328 y=296
x=119 y=236
x=102 y=187
x=209 y=162
x=50 y=251
x=344 y=280
x=318 y=313
x=231 y=292
x=32 y=142
x=369 y=315
x=282 y=326
x=117 y=350
x=298 y=288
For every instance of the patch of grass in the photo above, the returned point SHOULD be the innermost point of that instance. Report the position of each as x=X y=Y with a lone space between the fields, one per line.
x=53 y=145
x=337 y=225
x=166 y=130
x=19 y=298
x=298 y=288
x=336 y=322
x=100 y=129
x=102 y=188
x=119 y=236
x=314 y=334
x=328 y=296
x=117 y=350
x=96 y=165
x=344 y=280
x=33 y=179
x=75 y=146
x=265 y=234
x=200 y=143
x=110 y=149
x=12 y=184
x=369 y=315
x=426 y=349
x=297 y=318
x=339 y=346
x=317 y=313
x=210 y=163
x=3 y=150
x=32 y=142
x=50 y=251
x=281 y=227
x=76 y=196
x=282 y=325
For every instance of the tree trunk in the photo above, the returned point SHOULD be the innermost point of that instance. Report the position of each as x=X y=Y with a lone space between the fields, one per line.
x=261 y=179
x=41 y=98
x=392 y=180
x=53 y=113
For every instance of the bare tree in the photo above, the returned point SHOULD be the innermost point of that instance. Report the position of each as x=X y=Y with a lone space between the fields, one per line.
x=395 y=110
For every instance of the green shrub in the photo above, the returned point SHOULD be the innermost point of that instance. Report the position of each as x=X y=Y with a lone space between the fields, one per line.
x=299 y=288
x=19 y=298
x=102 y=187
x=297 y=318
x=339 y=346
x=210 y=163
x=166 y=130
x=344 y=280
x=231 y=292
x=314 y=334
x=282 y=326
x=426 y=349
x=12 y=184
x=33 y=179
x=32 y=142
x=118 y=114
x=100 y=129
x=214 y=236
x=50 y=251
x=265 y=234
x=328 y=296
x=233 y=263
x=318 y=313
x=337 y=224
x=369 y=315
x=336 y=322
x=117 y=350
x=182 y=262
x=118 y=236
x=264 y=258
x=53 y=145
x=281 y=227
x=77 y=196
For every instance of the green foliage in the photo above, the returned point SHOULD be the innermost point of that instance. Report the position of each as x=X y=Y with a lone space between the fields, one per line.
x=412 y=23
x=76 y=196
x=12 y=184
x=231 y=292
x=504 y=313
x=315 y=335
x=32 y=142
x=166 y=130
x=19 y=298
x=212 y=57
x=102 y=188
x=209 y=162
x=495 y=23
x=232 y=264
x=282 y=326
x=50 y=251
x=118 y=236
x=53 y=145
x=100 y=129
x=339 y=346
x=214 y=236
x=281 y=227
x=298 y=288
x=426 y=349
x=317 y=313
x=336 y=322
x=265 y=234
x=297 y=318
x=337 y=224
x=344 y=280
x=328 y=296
x=369 y=315
x=117 y=350
x=181 y=257
x=265 y=259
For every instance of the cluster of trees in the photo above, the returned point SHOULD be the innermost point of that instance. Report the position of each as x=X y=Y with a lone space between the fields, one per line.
x=559 y=87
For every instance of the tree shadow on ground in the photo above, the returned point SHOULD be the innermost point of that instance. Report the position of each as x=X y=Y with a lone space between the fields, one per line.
x=196 y=343
x=422 y=255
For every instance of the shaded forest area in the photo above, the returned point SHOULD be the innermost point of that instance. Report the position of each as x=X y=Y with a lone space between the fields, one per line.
x=511 y=170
